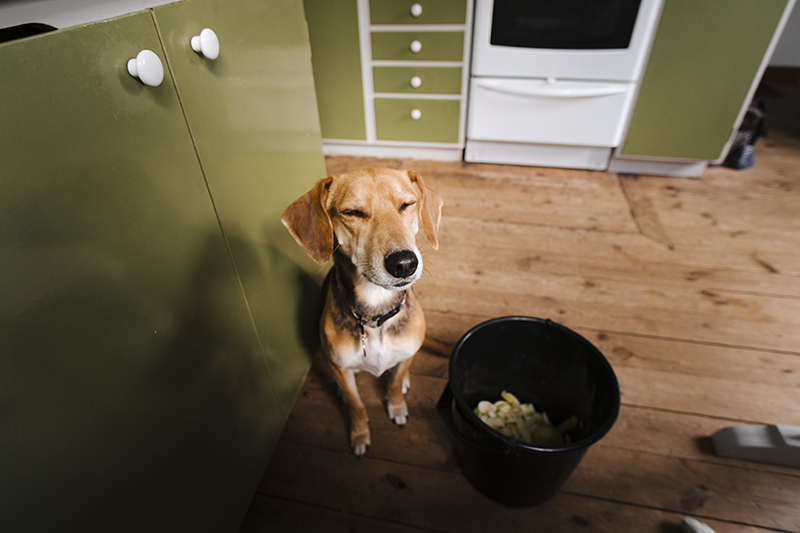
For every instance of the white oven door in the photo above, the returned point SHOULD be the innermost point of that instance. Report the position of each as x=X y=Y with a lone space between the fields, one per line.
x=614 y=64
x=545 y=111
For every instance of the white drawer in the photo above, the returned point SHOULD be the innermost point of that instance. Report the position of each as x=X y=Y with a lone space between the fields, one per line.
x=548 y=111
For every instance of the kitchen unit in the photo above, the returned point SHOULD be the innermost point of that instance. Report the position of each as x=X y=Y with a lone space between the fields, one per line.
x=391 y=76
x=607 y=85
x=705 y=66
x=668 y=100
x=552 y=84
x=155 y=315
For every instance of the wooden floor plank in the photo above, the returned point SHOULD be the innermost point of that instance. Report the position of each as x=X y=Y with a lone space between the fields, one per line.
x=748 y=496
x=619 y=315
x=269 y=513
x=710 y=396
x=725 y=217
x=502 y=270
x=626 y=248
x=446 y=502
x=612 y=256
x=743 y=365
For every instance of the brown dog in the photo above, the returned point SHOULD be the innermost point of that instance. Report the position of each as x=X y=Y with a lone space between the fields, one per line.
x=367 y=221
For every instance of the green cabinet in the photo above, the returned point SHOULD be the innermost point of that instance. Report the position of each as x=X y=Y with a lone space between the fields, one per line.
x=391 y=76
x=254 y=122
x=145 y=374
x=705 y=61
x=336 y=59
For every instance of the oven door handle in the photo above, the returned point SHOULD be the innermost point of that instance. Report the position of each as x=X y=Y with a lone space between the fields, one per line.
x=548 y=89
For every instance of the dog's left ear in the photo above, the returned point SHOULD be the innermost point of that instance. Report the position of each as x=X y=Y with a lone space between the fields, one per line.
x=309 y=223
x=430 y=209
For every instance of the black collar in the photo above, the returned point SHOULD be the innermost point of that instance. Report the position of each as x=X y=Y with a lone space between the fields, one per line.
x=378 y=320
x=375 y=321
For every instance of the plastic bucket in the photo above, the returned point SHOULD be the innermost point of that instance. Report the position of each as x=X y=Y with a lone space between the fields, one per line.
x=542 y=363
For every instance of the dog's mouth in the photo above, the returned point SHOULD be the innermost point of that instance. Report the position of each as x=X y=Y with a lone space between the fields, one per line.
x=403 y=285
x=393 y=285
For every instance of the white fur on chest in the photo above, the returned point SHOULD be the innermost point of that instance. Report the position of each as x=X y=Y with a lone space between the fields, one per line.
x=381 y=354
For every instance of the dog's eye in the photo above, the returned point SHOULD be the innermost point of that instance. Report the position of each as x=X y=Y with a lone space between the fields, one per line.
x=355 y=213
x=406 y=205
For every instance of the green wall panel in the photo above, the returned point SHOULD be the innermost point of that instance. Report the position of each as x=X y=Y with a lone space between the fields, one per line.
x=704 y=58
x=333 y=33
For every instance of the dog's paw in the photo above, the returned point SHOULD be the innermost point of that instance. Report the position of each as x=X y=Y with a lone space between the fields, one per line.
x=398 y=413
x=360 y=444
x=406 y=383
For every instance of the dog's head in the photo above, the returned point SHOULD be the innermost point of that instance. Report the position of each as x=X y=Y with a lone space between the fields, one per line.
x=372 y=216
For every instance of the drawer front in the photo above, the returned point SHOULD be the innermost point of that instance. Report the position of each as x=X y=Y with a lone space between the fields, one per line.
x=535 y=111
x=432 y=12
x=438 y=120
x=435 y=45
x=431 y=80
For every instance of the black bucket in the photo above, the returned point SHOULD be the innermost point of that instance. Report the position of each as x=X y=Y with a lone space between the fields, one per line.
x=542 y=363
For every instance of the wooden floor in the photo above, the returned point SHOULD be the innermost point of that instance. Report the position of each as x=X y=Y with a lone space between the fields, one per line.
x=691 y=289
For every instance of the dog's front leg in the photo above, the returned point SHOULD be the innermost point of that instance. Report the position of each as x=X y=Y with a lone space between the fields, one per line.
x=398 y=385
x=359 y=422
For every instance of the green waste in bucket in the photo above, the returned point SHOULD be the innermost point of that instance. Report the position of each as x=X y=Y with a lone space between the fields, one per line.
x=540 y=362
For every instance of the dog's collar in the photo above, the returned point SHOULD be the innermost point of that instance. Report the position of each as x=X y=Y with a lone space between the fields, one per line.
x=375 y=321
x=378 y=320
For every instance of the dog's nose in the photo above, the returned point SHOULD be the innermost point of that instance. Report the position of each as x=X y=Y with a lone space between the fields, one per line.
x=401 y=264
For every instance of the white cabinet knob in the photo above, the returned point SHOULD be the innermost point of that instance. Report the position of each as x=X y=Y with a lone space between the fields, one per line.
x=415 y=82
x=415 y=46
x=147 y=68
x=206 y=43
x=416 y=10
x=416 y=114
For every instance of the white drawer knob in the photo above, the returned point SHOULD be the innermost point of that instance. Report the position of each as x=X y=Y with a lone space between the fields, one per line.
x=147 y=68
x=415 y=46
x=416 y=114
x=416 y=10
x=206 y=44
x=415 y=82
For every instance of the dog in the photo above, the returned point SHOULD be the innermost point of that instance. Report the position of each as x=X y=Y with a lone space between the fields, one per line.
x=367 y=221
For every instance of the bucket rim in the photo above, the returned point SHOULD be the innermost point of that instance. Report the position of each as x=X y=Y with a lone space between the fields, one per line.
x=507 y=441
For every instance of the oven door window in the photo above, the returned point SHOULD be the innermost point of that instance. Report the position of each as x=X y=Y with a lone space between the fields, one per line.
x=564 y=24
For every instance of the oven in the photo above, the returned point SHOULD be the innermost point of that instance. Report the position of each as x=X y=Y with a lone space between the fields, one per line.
x=552 y=83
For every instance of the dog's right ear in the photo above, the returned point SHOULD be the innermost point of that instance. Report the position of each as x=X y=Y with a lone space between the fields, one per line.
x=309 y=223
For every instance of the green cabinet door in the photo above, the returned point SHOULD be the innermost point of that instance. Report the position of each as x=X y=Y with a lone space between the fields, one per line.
x=133 y=392
x=253 y=117
x=333 y=31
x=704 y=60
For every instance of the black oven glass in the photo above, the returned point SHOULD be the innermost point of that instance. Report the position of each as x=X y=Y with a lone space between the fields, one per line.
x=564 y=24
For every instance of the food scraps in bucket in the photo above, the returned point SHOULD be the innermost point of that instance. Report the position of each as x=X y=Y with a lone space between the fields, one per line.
x=522 y=422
